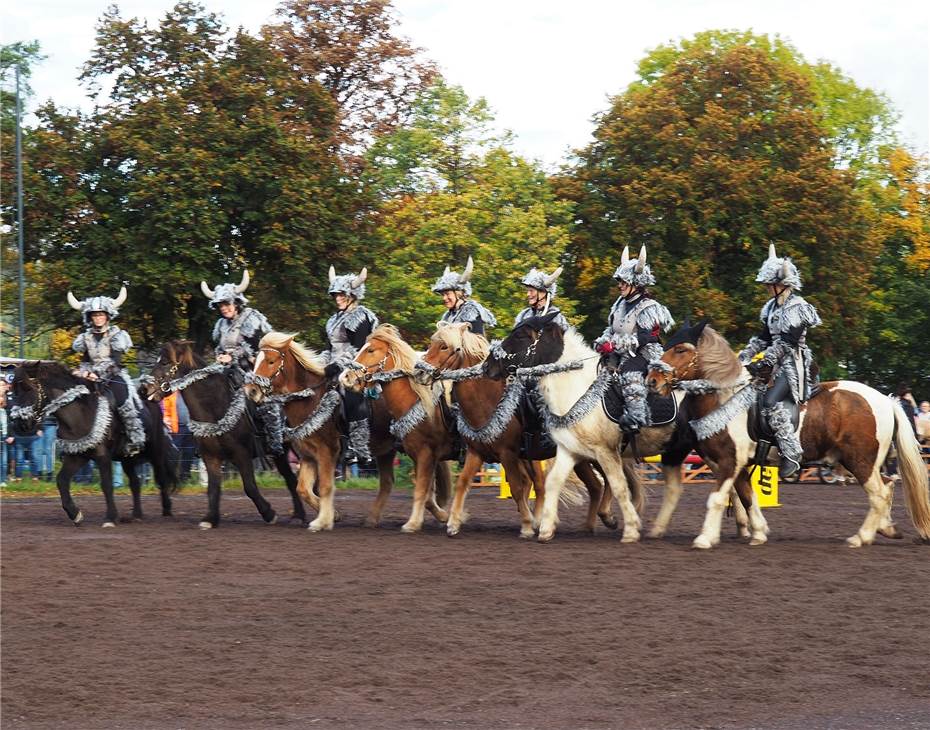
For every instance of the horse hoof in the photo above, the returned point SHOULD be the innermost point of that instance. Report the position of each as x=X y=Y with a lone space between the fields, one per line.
x=372 y=523
x=545 y=536
x=318 y=526
x=744 y=532
x=761 y=540
x=610 y=522
x=854 y=542
x=78 y=518
x=701 y=543
x=409 y=529
x=530 y=534
x=273 y=520
x=890 y=532
x=453 y=531
x=204 y=525
x=656 y=533
x=337 y=516
x=108 y=524
x=630 y=536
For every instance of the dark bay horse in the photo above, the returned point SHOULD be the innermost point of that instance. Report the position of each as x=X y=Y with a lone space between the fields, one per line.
x=454 y=347
x=417 y=420
x=216 y=403
x=844 y=423
x=88 y=428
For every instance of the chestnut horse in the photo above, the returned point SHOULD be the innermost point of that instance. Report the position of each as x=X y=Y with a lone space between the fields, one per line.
x=583 y=431
x=288 y=372
x=454 y=347
x=386 y=362
x=845 y=422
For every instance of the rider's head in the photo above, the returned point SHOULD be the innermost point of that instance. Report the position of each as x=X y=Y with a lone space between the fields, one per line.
x=633 y=275
x=779 y=275
x=227 y=299
x=347 y=289
x=540 y=287
x=98 y=311
x=453 y=286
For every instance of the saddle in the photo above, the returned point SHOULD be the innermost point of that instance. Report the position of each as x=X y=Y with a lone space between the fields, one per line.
x=662 y=409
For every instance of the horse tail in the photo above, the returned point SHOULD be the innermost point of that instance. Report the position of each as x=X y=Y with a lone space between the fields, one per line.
x=162 y=452
x=913 y=474
x=443 y=483
x=574 y=490
x=637 y=491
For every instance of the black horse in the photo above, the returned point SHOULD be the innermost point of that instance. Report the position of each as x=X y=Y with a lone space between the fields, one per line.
x=88 y=428
x=210 y=400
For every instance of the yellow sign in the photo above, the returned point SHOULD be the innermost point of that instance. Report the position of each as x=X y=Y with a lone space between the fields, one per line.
x=765 y=482
x=505 y=492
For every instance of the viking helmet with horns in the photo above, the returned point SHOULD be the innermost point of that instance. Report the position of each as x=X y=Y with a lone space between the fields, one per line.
x=227 y=292
x=775 y=270
x=352 y=285
x=98 y=304
x=635 y=272
x=541 y=280
x=454 y=281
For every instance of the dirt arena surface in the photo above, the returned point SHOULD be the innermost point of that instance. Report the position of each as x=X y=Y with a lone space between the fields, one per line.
x=160 y=625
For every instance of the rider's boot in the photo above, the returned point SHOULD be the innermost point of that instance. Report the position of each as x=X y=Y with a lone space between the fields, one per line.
x=789 y=445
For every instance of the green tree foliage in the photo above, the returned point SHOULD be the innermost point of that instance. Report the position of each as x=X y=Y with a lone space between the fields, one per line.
x=207 y=156
x=451 y=188
x=717 y=150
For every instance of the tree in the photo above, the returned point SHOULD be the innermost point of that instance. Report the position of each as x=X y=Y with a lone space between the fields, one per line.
x=352 y=49
x=714 y=153
x=208 y=157
x=451 y=188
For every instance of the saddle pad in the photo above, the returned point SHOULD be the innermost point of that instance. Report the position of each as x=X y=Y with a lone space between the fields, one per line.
x=663 y=409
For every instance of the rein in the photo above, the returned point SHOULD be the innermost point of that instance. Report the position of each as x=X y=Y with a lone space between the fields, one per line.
x=205 y=429
x=91 y=439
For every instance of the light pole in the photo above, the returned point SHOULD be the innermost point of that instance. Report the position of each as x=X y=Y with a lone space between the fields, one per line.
x=19 y=215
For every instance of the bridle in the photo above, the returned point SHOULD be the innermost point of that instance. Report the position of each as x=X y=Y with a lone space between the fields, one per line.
x=264 y=381
x=367 y=373
x=164 y=384
x=676 y=376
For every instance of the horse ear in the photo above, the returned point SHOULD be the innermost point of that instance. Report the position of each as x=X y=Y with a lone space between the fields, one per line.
x=441 y=324
x=332 y=274
x=699 y=328
x=641 y=263
x=625 y=256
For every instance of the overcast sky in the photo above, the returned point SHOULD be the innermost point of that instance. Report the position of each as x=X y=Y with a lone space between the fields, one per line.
x=547 y=66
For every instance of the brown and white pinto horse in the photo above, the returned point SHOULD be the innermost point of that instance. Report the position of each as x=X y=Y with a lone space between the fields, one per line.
x=454 y=347
x=845 y=423
x=284 y=366
x=427 y=440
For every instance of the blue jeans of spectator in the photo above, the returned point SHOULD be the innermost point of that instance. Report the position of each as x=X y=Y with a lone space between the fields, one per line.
x=4 y=464
x=25 y=447
x=45 y=446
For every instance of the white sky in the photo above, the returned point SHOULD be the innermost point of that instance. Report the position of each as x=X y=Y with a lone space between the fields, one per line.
x=547 y=66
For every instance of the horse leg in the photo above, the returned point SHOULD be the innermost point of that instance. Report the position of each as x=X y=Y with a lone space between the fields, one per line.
x=424 y=465
x=385 y=485
x=605 y=509
x=880 y=495
x=462 y=485
x=214 y=465
x=70 y=465
x=135 y=487
x=671 y=473
x=538 y=478
x=556 y=477
x=520 y=491
x=326 y=468
x=716 y=506
x=105 y=466
x=887 y=527
x=441 y=478
x=290 y=479
x=612 y=465
x=247 y=472
x=306 y=478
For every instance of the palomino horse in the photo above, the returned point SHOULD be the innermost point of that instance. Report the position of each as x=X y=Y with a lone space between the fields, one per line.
x=572 y=387
x=87 y=430
x=221 y=424
x=845 y=422
x=386 y=361
x=491 y=411
x=290 y=373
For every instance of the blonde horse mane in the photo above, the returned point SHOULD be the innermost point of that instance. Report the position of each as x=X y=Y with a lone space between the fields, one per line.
x=459 y=337
x=719 y=363
x=307 y=358
x=405 y=358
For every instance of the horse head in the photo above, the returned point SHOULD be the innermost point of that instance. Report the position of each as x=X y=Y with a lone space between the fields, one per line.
x=535 y=341
x=378 y=355
x=694 y=352
x=451 y=347
x=280 y=367
x=176 y=358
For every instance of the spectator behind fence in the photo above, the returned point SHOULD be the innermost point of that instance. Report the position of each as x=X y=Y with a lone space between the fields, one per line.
x=906 y=400
x=5 y=438
x=24 y=446
x=923 y=423
x=178 y=422
x=45 y=447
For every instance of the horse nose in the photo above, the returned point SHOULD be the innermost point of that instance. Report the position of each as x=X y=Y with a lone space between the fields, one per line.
x=652 y=382
x=253 y=392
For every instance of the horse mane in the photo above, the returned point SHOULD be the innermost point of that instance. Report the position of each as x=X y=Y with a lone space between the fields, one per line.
x=181 y=351
x=719 y=364
x=405 y=358
x=474 y=346
x=574 y=344
x=307 y=358
x=54 y=374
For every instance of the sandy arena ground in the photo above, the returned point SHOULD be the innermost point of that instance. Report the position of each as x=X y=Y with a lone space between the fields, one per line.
x=160 y=625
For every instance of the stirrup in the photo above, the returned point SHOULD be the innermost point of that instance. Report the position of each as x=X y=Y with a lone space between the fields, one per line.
x=788 y=468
